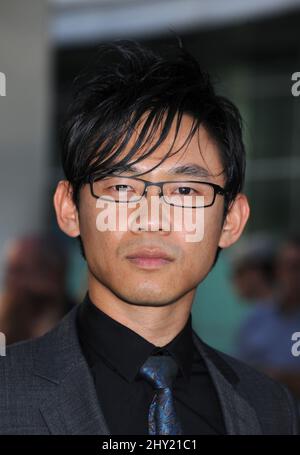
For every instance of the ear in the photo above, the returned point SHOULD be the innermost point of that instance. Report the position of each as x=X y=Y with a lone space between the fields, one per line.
x=66 y=211
x=236 y=219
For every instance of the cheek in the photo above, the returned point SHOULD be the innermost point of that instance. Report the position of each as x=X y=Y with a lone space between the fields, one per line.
x=102 y=256
x=206 y=223
x=199 y=253
x=100 y=246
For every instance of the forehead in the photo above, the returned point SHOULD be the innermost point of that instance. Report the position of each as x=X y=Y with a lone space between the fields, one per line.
x=200 y=150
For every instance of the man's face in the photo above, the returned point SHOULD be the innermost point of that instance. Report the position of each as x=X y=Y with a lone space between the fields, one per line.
x=151 y=282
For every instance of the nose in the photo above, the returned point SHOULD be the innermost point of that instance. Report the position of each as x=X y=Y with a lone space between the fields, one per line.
x=151 y=217
x=154 y=190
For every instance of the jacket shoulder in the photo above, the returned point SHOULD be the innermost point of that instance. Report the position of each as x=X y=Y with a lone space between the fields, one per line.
x=23 y=355
x=17 y=365
x=272 y=401
x=29 y=374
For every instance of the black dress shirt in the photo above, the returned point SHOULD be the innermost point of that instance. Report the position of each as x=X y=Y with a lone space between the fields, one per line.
x=115 y=355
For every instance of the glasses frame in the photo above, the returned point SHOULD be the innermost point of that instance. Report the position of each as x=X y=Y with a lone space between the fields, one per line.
x=217 y=188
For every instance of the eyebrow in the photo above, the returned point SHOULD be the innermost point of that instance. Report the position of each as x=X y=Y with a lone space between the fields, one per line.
x=192 y=169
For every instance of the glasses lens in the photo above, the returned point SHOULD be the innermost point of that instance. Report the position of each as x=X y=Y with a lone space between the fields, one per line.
x=188 y=194
x=118 y=189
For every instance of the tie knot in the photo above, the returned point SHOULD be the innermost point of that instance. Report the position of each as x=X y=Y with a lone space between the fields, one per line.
x=159 y=370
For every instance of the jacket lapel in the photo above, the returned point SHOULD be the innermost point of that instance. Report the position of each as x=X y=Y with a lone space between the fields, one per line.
x=71 y=405
x=239 y=416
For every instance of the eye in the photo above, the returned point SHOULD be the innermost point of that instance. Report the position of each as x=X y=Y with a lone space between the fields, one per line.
x=185 y=190
x=121 y=188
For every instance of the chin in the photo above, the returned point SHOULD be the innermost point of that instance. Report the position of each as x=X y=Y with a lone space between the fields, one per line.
x=149 y=303
x=147 y=298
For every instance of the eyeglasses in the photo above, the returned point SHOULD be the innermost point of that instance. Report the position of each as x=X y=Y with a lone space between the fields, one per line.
x=117 y=188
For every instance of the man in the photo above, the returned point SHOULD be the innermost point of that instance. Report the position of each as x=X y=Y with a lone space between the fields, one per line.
x=126 y=361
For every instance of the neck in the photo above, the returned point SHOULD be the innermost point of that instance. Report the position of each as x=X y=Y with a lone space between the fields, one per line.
x=157 y=324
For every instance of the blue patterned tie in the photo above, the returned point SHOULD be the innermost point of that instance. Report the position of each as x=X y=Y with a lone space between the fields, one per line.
x=160 y=370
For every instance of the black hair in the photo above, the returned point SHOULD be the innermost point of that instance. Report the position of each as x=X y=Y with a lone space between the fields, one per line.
x=127 y=80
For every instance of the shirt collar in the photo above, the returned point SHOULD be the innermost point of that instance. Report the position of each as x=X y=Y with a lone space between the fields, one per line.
x=124 y=349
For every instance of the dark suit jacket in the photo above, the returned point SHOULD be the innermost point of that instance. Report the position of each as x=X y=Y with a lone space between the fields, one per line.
x=46 y=388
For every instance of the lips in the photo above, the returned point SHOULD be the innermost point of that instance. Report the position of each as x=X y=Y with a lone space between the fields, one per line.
x=146 y=253
x=146 y=258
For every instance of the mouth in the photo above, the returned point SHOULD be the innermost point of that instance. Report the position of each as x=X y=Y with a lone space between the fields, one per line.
x=150 y=259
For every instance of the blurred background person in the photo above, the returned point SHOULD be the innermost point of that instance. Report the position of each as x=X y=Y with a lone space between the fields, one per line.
x=264 y=339
x=253 y=272
x=35 y=295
